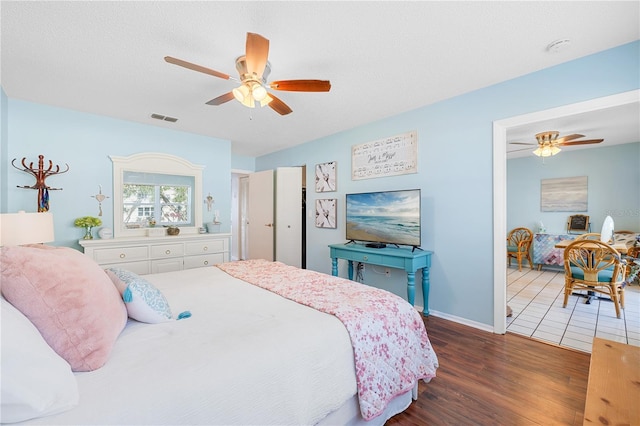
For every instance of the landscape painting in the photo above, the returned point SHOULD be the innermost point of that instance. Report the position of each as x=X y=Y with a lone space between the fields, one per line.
x=564 y=194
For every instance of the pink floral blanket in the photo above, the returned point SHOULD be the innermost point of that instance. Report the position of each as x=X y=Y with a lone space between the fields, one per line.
x=390 y=344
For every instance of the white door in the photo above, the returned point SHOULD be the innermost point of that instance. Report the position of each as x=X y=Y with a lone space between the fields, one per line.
x=289 y=215
x=243 y=219
x=260 y=214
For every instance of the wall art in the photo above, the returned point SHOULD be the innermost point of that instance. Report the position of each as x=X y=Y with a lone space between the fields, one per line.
x=396 y=155
x=326 y=177
x=326 y=213
x=564 y=194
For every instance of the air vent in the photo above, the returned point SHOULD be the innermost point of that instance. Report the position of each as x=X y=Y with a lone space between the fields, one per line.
x=164 y=118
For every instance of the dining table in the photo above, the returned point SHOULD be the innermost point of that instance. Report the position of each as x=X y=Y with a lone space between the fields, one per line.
x=621 y=242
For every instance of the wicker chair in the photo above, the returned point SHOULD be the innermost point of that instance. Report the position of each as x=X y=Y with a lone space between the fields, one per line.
x=594 y=266
x=633 y=257
x=519 y=245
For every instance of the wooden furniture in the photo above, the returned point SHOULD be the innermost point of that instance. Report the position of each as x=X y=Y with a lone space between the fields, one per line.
x=613 y=392
x=621 y=242
x=594 y=266
x=519 y=246
x=146 y=255
x=579 y=223
x=391 y=257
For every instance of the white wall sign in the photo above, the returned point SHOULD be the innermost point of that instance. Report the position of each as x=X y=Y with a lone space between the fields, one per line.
x=396 y=155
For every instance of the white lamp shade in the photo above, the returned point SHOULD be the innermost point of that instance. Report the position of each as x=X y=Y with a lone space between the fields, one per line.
x=26 y=228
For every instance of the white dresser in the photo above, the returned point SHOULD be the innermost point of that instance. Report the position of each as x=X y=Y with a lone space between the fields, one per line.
x=147 y=255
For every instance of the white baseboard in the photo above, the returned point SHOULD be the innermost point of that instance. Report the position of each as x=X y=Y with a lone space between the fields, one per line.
x=463 y=321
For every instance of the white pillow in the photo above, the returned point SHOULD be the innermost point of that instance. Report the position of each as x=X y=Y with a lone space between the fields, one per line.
x=35 y=381
x=144 y=302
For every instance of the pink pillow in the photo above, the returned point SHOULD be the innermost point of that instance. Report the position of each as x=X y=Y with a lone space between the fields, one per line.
x=69 y=299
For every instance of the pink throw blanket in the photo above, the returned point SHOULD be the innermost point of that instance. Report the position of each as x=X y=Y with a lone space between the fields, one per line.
x=390 y=344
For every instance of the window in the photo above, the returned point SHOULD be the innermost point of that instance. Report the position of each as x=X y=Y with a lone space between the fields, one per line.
x=155 y=186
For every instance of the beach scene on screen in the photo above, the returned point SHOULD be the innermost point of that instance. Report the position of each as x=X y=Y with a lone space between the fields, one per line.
x=389 y=217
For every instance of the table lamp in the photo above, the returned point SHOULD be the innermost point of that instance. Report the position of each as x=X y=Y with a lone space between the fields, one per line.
x=26 y=228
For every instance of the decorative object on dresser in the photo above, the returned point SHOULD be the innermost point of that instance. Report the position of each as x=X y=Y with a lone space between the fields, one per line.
x=145 y=255
x=87 y=222
x=41 y=174
x=173 y=230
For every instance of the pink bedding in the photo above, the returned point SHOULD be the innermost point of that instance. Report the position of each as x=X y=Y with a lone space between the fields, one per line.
x=390 y=344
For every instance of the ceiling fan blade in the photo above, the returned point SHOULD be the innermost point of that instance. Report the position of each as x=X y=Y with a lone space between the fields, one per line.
x=221 y=99
x=585 y=142
x=522 y=143
x=301 y=85
x=518 y=150
x=257 y=52
x=195 y=67
x=568 y=138
x=278 y=106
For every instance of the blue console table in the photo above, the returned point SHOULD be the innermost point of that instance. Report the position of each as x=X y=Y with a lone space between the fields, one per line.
x=390 y=257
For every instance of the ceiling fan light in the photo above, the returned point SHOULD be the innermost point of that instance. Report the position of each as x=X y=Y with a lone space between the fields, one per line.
x=241 y=93
x=547 y=151
x=266 y=100
x=258 y=91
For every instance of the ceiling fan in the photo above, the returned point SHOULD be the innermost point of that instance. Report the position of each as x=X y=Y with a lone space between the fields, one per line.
x=549 y=143
x=254 y=69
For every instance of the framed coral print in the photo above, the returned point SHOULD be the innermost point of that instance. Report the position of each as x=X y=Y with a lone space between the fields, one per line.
x=326 y=177
x=326 y=213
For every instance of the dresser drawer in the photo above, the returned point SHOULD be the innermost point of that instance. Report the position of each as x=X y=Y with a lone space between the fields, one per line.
x=203 y=247
x=166 y=265
x=140 y=268
x=203 y=260
x=161 y=251
x=120 y=254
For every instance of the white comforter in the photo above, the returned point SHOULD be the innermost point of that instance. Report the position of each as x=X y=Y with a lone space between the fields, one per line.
x=233 y=362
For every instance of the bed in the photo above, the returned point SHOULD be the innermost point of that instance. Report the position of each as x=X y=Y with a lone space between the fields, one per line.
x=241 y=343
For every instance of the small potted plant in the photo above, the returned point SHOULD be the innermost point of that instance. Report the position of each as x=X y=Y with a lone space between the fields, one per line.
x=87 y=222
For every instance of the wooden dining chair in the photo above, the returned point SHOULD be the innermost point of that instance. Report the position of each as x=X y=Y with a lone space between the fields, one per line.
x=633 y=261
x=594 y=266
x=519 y=246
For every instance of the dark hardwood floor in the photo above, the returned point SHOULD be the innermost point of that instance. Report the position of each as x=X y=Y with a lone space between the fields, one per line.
x=492 y=379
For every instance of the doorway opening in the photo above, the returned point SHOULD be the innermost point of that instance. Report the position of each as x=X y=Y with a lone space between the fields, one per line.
x=500 y=128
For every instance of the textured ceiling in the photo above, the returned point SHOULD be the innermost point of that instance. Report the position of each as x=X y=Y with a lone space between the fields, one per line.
x=383 y=58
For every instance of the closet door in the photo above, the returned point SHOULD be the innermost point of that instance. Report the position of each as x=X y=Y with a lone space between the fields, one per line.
x=288 y=215
x=260 y=206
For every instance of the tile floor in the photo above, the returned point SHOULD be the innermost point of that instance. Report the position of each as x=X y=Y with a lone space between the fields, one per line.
x=536 y=300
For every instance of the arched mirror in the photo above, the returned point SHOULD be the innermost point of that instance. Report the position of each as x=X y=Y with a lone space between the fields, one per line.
x=153 y=190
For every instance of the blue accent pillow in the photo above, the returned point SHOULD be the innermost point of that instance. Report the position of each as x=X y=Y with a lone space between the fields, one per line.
x=144 y=302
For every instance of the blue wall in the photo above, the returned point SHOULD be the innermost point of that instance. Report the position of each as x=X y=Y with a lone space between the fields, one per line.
x=455 y=143
x=613 y=176
x=85 y=142
x=454 y=168
x=3 y=150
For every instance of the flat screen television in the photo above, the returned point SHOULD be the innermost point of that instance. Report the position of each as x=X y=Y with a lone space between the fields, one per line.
x=384 y=217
